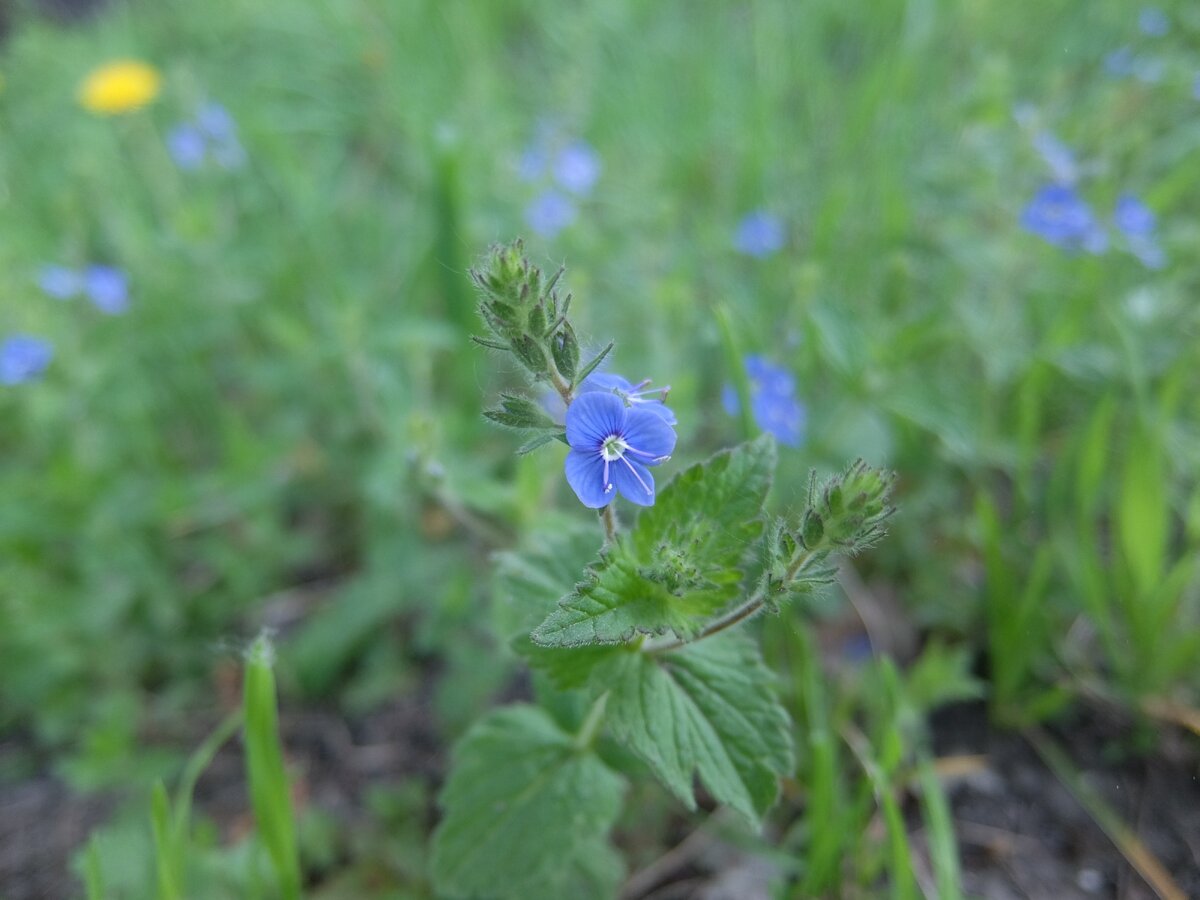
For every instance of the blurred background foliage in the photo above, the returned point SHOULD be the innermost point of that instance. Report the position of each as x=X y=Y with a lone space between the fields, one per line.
x=282 y=428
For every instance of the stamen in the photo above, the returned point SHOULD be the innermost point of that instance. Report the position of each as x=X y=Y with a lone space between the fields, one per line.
x=645 y=486
x=607 y=484
x=657 y=459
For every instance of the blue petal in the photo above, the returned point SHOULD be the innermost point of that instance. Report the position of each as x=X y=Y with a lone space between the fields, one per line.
x=185 y=143
x=649 y=435
x=108 y=288
x=659 y=409
x=606 y=381
x=23 y=357
x=60 y=282
x=550 y=213
x=637 y=488
x=585 y=475
x=782 y=416
x=592 y=418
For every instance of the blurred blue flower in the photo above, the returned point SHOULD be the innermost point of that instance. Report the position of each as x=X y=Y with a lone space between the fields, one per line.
x=532 y=165
x=549 y=213
x=1138 y=224
x=1149 y=252
x=23 y=357
x=759 y=234
x=640 y=394
x=773 y=401
x=1058 y=215
x=1120 y=62
x=1153 y=21
x=577 y=167
x=1133 y=218
x=107 y=288
x=1058 y=157
x=212 y=133
x=59 y=282
x=612 y=446
x=186 y=145
x=1149 y=69
x=215 y=122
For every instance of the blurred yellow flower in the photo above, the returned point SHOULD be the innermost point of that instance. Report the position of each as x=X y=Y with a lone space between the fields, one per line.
x=119 y=86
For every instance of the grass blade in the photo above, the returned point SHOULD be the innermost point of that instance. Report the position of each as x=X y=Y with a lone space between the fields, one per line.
x=269 y=790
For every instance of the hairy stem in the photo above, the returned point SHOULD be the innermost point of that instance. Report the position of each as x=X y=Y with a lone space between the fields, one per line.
x=608 y=516
x=753 y=605
x=590 y=729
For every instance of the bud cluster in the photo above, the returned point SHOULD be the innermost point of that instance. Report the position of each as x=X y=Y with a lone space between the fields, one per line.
x=525 y=316
x=849 y=513
x=846 y=515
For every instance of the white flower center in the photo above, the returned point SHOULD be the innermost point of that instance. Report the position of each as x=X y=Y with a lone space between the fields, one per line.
x=613 y=448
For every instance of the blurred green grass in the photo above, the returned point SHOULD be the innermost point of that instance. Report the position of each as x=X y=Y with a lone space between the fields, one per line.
x=285 y=426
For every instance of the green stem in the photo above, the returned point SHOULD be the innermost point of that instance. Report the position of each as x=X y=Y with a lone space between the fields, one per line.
x=590 y=729
x=738 y=614
x=608 y=516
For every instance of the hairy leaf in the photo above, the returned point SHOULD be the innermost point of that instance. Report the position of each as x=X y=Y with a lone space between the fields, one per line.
x=529 y=582
x=681 y=562
x=708 y=709
x=525 y=814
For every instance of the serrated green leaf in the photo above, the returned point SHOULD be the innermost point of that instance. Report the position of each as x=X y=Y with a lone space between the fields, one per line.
x=680 y=564
x=616 y=602
x=713 y=510
x=525 y=814
x=708 y=709
x=529 y=582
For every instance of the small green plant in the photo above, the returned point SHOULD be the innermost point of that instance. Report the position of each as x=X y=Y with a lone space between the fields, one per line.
x=187 y=865
x=639 y=639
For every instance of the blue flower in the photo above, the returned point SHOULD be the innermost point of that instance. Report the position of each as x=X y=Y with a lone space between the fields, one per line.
x=612 y=448
x=639 y=395
x=1133 y=217
x=759 y=234
x=1057 y=156
x=107 y=288
x=1153 y=21
x=773 y=401
x=215 y=122
x=532 y=164
x=59 y=282
x=23 y=357
x=550 y=213
x=211 y=133
x=186 y=145
x=577 y=167
x=1120 y=62
x=1137 y=223
x=1058 y=215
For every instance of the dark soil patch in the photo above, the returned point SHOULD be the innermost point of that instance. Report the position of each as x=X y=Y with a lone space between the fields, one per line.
x=1022 y=834
x=332 y=762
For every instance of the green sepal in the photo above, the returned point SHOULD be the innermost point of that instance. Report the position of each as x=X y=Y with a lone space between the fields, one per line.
x=565 y=349
x=540 y=441
x=516 y=411
x=592 y=365
x=528 y=351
